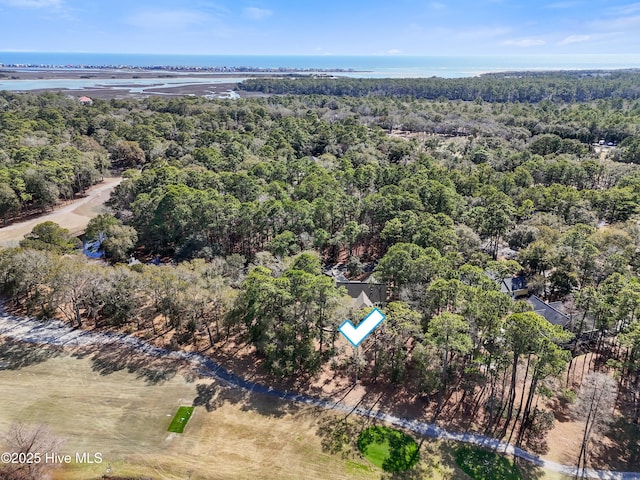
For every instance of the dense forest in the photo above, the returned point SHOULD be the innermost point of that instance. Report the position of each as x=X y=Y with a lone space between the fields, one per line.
x=570 y=86
x=247 y=201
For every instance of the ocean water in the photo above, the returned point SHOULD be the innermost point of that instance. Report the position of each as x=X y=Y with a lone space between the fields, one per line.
x=362 y=66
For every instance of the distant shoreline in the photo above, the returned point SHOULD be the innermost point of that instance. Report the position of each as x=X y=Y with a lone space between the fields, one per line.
x=69 y=73
x=173 y=69
x=357 y=66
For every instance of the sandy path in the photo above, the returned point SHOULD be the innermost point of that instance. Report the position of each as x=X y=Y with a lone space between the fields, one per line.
x=75 y=216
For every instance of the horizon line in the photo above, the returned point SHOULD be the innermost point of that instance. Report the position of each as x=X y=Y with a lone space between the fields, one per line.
x=542 y=55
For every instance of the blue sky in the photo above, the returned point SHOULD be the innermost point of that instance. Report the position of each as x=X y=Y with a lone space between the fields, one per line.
x=328 y=27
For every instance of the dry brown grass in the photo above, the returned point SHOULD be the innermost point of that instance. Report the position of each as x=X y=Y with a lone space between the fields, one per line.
x=124 y=416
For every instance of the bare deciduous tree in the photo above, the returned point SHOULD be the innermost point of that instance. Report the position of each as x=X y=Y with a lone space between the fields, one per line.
x=30 y=439
x=595 y=403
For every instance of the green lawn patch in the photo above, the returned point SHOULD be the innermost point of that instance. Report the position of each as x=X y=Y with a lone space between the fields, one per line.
x=180 y=419
x=355 y=467
x=389 y=449
x=482 y=464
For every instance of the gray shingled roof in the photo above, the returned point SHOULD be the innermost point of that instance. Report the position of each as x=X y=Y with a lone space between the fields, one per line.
x=553 y=316
x=376 y=292
x=362 y=301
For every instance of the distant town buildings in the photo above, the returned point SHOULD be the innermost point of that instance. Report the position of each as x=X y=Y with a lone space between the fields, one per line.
x=176 y=68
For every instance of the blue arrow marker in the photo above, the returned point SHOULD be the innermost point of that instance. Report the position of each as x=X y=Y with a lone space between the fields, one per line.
x=368 y=325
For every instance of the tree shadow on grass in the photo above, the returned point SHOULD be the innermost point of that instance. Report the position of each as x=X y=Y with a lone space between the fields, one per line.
x=15 y=355
x=108 y=359
x=530 y=471
x=339 y=435
x=482 y=464
x=424 y=469
x=269 y=406
x=403 y=453
x=208 y=397
x=401 y=450
x=214 y=395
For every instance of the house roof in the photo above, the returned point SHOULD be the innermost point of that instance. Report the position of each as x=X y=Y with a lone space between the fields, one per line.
x=516 y=283
x=375 y=292
x=362 y=301
x=341 y=278
x=553 y=316
x=559 y=306
x=513 y=286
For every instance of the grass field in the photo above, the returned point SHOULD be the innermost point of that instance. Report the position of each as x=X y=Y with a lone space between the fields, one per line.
x=482 y=464
x=120 y=413
x=389 y=449
x=180 y=419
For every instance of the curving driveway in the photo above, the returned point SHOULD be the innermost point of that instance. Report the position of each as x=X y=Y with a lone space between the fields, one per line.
x=58 y=333
x=75 y=216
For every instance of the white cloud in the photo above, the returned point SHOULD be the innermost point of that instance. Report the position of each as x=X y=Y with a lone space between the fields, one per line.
x=393 y=51
x=256 y=13
x=32 y=3
x=166 y=19
x=525 y=42
x=438 y=5
x=574 y=39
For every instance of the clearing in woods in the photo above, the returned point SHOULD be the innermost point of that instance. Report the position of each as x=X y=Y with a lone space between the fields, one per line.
x=73 y=216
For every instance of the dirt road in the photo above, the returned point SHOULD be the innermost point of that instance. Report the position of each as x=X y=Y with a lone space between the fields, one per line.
x=75 y=216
